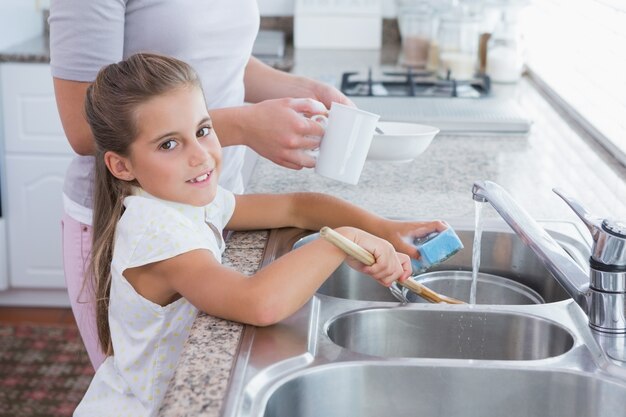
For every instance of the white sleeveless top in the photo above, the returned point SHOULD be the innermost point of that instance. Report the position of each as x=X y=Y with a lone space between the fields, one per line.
x=148 y=338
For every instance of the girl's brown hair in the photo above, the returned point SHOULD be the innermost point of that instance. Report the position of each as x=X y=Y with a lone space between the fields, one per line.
x=110 y=107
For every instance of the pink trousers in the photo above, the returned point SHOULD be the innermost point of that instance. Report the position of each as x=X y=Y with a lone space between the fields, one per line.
x=76 y=255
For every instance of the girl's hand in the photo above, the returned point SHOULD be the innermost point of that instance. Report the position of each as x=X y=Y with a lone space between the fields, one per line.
x=389 y=265
x=401 y=234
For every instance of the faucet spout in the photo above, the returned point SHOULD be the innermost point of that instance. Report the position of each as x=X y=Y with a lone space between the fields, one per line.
x=571 y=277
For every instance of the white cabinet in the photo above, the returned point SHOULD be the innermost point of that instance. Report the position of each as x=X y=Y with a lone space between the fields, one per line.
x=35 y=207
x=35 y=157
x=31 y=120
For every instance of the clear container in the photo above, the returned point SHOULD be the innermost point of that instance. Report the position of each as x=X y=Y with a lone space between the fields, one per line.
x=417 y=28
x=457 y=41
x=505 y=50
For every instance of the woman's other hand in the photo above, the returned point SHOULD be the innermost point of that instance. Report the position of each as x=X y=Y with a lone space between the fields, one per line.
x=327 y=94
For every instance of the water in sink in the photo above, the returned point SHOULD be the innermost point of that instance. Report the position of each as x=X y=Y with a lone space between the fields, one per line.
x=489 y=289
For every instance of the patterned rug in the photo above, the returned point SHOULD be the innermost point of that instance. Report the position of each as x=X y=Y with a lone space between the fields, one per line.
x=44 y=370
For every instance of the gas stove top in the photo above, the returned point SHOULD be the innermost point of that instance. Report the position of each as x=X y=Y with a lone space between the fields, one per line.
x=411 y=83
x=454 y=106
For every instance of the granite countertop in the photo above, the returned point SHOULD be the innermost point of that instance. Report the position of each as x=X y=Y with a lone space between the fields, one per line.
x=435 y=185
x=35 y=50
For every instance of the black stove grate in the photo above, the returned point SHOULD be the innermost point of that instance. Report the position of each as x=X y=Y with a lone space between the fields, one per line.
x=414 y=84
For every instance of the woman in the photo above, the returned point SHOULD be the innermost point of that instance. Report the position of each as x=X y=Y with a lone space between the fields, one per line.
x=216 y=38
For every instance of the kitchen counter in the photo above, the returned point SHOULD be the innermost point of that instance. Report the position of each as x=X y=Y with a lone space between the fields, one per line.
x=435 y=185
x=35 y=50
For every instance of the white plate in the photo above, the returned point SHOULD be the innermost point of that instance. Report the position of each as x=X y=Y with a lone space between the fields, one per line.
x=402 y=142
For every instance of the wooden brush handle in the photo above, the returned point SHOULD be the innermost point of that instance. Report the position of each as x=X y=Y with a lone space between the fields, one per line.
x=348 y=246
x=366 y=258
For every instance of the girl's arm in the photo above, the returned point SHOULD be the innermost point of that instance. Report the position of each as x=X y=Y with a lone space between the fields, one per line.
x=271 y=294
x=304 y=210
x=312 y=211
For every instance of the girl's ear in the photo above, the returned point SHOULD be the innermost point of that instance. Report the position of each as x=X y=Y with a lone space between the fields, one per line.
x=119 y=166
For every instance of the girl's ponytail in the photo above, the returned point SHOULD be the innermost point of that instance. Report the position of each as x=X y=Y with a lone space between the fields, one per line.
x=110 y=106
x=109 y=193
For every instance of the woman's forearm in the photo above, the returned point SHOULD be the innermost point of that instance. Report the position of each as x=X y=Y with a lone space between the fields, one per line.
x=264 y=83
x=230 y=125
x=70 y=97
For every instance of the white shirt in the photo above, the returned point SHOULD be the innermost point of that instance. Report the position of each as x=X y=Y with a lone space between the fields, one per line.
x=148 y=338
x=215 y=37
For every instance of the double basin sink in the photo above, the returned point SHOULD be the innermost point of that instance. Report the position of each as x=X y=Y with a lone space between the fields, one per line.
x=354 y=350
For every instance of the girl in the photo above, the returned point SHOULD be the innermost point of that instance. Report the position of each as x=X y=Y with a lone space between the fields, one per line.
x=216 y=38
x=158 y=221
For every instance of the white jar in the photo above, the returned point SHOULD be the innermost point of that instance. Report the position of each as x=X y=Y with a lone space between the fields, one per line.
x=505 y=52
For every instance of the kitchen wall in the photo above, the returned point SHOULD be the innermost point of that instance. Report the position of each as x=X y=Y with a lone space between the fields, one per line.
x=285 y=7
x=19 y=21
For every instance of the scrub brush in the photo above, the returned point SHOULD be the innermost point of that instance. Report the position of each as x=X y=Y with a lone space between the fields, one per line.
x=363 y=256
x=435 y=248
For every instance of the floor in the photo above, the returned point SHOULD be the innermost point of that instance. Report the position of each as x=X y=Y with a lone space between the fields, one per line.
x=36 y=315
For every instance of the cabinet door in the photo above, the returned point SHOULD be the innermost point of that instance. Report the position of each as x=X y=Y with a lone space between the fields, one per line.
x=31 y=120
x=35 y=207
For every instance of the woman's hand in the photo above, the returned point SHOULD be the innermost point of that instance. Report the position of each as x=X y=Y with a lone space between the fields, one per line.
x=281 y=130
x=389 y=265
x=401 y=234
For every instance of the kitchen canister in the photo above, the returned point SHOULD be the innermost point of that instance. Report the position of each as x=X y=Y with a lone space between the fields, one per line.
x=457 y=41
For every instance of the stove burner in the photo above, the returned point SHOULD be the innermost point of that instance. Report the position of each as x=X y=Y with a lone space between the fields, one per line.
x=414 y=83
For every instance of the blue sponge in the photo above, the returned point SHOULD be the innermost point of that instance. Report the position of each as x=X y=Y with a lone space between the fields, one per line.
x=435 y=248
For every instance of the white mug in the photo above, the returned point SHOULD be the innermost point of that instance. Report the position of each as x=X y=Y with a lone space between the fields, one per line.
x=346 y=141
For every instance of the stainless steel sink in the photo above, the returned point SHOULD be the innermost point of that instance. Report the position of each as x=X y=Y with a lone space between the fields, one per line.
x=404 y=333
x=502 y=254
x=368 y=390
x=354 y=350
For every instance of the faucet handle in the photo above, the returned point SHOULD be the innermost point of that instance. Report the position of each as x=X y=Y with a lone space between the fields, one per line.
x=593 y=223
x=609 y=236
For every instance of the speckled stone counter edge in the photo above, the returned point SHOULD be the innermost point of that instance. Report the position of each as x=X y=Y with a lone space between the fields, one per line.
x=212 y=344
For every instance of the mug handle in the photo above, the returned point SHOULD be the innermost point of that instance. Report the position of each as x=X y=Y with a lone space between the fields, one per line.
x=322 y=120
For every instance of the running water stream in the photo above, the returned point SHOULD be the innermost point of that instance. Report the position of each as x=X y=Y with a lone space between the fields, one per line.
x=478 y=231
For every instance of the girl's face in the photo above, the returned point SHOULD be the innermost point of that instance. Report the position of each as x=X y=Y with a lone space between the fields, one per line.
x=176 y=156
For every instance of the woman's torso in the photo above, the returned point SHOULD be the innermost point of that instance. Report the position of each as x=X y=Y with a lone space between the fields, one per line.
x=214 y=36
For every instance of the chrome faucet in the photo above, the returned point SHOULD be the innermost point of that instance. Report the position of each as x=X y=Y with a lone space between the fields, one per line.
x=602 y=294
